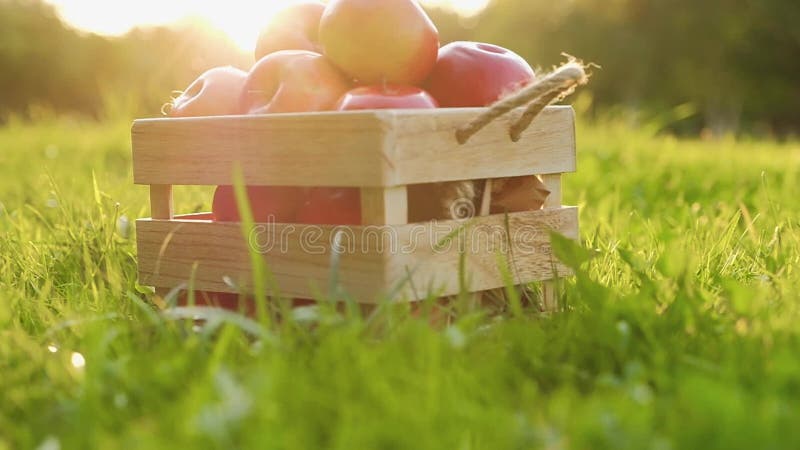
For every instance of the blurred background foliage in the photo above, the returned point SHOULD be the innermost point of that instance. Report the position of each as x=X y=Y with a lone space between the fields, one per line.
x=715 y=66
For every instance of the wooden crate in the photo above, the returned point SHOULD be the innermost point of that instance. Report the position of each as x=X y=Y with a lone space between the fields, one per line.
x=380 y=152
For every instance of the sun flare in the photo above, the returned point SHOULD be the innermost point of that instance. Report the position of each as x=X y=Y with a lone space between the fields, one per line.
x=241 y=20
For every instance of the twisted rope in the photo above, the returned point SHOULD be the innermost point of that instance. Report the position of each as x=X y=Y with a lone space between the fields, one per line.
x=555 y=85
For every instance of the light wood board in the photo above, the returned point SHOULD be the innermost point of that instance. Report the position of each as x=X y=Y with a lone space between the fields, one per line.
x=358 y=149
x=376 y=261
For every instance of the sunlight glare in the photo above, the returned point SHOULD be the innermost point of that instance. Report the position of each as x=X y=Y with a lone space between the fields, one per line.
x=464 y=7
x=77 y=360
x=241 y=20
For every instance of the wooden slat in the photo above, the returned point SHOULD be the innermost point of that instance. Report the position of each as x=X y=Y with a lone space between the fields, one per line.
x=486 y=198
x=161 y=206
x=384 y=206
x=527 y=253
x=321 y=149
x=168 y=250
x=553 y=183
x=359 y=149
x=550 y=288
x=426 y=151
x=376 y=260
x=195 y=216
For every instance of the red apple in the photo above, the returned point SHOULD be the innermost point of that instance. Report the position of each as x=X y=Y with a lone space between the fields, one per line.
x=422 y=198
x=277 y=204
x=212 y=299
x=292 y=81
x=214 y=93
x=475 y=74
x=295 y=27
x=331 y=206
x=232 y=302
x=386 y=97
x=387 y=41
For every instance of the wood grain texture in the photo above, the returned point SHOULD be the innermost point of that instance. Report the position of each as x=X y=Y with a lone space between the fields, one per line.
x=523 y=247
x=425 y=149
x=161 y=206
x=321 y=149
x=384 y=206
x=554 y=200
x=486 y=198
x=553 y=183
x=358 y=149
x=168 y=251
x=373 y=261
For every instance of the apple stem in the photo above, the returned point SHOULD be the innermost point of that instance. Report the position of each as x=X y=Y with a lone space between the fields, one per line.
x=166 y=108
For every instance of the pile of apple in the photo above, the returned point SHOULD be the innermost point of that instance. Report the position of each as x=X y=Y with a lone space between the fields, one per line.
x=346 y=55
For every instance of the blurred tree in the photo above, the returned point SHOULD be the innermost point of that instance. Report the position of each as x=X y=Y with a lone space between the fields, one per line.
x=768 y=61
x=45 y=63
x=34 y=52
x=734 y=61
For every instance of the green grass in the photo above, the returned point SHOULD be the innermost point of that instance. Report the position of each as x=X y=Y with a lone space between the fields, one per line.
x=680 y=332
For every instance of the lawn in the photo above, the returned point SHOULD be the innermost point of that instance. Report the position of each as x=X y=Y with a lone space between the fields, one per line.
x=680 y=329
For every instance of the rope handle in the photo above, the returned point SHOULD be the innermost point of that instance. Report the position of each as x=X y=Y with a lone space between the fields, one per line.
x=552 y=87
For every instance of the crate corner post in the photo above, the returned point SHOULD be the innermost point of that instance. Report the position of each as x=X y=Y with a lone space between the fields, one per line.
x=384 y=206
x=161 y=208
x=550 y=287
